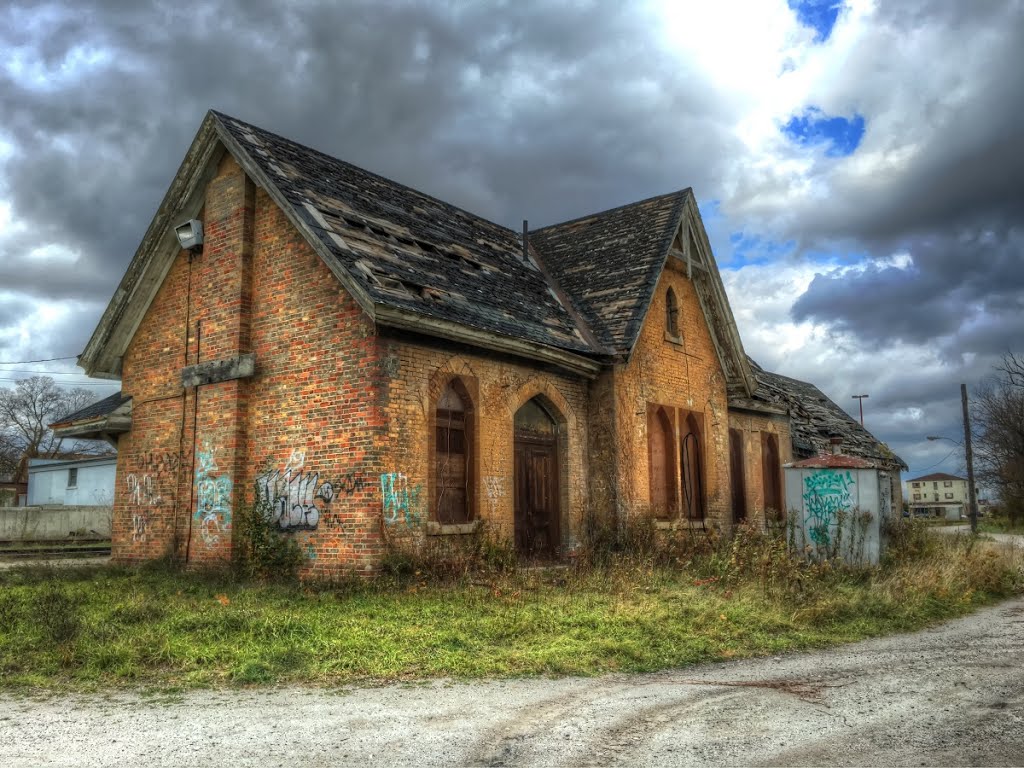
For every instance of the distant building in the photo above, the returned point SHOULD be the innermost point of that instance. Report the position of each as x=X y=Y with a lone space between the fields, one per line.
x=938 y=495
x=77 y=482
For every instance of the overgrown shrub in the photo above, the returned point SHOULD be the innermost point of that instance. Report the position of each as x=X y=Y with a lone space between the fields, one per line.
x=410 y=552
x=261 y=549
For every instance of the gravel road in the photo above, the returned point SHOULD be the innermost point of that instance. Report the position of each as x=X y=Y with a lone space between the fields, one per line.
x=951 y=695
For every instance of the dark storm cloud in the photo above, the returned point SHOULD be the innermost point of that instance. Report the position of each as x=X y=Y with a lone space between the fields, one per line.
x=957 y=203
x=516 y=110
x=956 y=283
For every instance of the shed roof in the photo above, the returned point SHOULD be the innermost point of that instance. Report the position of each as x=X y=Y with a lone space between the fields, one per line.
x=815 y=419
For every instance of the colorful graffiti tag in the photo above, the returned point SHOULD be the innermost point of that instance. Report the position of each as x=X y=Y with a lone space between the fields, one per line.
x=213 y=497
x=827 y=498
x=294 y=498
x=400 y=498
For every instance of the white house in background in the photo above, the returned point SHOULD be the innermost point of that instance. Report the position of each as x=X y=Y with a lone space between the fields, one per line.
x=938 y=495
x=77 y=483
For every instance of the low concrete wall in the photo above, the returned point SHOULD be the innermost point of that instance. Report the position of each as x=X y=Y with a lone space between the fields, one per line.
x=33 y=523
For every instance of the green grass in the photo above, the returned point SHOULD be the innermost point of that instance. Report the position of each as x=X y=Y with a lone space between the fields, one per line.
x=84 y=629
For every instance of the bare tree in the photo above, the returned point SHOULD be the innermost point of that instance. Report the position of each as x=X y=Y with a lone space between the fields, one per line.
x=26 y=412
x=999 y=423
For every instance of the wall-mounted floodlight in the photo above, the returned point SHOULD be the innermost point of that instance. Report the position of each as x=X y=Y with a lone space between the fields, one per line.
x=190 y=234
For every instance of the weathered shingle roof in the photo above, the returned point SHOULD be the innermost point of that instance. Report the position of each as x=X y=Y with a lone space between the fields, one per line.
x=411 y=251
x=814 y=418
x=99 y=408
x=609 y=262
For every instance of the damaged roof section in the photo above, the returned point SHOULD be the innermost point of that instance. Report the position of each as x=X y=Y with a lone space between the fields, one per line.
x=815 y=419
x=410 y=251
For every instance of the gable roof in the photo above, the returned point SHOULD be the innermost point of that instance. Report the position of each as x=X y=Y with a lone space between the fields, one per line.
x=814 y=419
x=610 y=263
x=416 y=263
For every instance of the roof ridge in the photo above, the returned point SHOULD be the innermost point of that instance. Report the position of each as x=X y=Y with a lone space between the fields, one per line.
x=616 y=209
x=367 y=171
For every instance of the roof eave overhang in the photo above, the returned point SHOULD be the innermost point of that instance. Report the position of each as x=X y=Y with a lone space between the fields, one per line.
x=100 y=428
x=405 y=320
x=753 y=406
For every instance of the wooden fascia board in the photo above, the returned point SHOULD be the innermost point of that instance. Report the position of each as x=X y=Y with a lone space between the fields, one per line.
x=752 y=406
x=153 y=258
x=405 y=320
x=257 y=174
x=732 y=342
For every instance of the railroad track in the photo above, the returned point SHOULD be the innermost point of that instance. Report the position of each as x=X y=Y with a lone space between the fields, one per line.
x=45 y=550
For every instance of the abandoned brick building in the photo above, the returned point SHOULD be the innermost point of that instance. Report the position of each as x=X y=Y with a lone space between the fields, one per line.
x=355 y=354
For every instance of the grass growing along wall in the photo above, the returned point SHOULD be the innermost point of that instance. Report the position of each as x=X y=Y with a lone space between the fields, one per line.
x=678 y=602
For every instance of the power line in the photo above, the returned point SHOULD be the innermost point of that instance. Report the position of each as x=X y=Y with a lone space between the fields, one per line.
x=75 y=383
x=933 y=465
x=44 y=360
x=46 y=373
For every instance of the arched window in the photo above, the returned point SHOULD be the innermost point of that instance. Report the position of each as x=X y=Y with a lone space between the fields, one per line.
x=738 y=485
x=771 y=469
x=453 y=455
x=671 y=314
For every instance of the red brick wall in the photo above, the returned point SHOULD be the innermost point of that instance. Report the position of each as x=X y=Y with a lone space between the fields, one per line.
x=309 y=425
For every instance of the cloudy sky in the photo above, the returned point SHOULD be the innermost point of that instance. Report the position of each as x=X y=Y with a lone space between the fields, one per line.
x=859 y=165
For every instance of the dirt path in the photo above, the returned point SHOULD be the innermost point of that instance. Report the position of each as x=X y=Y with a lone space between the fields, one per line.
x=952 y=695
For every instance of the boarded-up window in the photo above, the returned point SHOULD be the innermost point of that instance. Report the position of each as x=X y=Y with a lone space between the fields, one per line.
x=452 y=454
x=691 y=463
x=771 y=469
x=661 y=460
x=738 y=485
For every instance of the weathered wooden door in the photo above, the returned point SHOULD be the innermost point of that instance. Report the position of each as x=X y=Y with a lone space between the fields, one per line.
x=536 y=482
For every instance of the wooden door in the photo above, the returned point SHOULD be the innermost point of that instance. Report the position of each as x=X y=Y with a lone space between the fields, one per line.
x=536 y=482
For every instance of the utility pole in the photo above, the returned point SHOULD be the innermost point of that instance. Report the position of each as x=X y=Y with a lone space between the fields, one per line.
x=860 y=398
x=972 y=497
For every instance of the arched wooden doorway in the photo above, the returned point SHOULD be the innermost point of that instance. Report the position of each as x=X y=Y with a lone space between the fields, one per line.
x=536 y=481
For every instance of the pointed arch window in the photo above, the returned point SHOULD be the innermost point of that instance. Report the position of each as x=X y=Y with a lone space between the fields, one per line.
x=453 y=456
x=771 y=476
x=672 y=315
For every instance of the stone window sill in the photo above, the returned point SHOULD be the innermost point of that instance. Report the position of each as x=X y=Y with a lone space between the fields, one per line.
x=679 y=525
x=435 y=528
x=677 y=340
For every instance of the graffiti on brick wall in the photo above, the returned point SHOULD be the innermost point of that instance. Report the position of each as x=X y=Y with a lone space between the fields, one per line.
x=213 y=497
x=401 y=499
x=294 y=498
x=827 y=499
x=155 y=469
x=494 y=485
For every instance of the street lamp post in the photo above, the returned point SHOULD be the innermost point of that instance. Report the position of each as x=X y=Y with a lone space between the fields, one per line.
x=972 y=496
x=860 y=399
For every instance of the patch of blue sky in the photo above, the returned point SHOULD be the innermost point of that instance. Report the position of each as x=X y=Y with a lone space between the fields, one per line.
x=819 y=15
x=749 y=249
x=814 y=128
